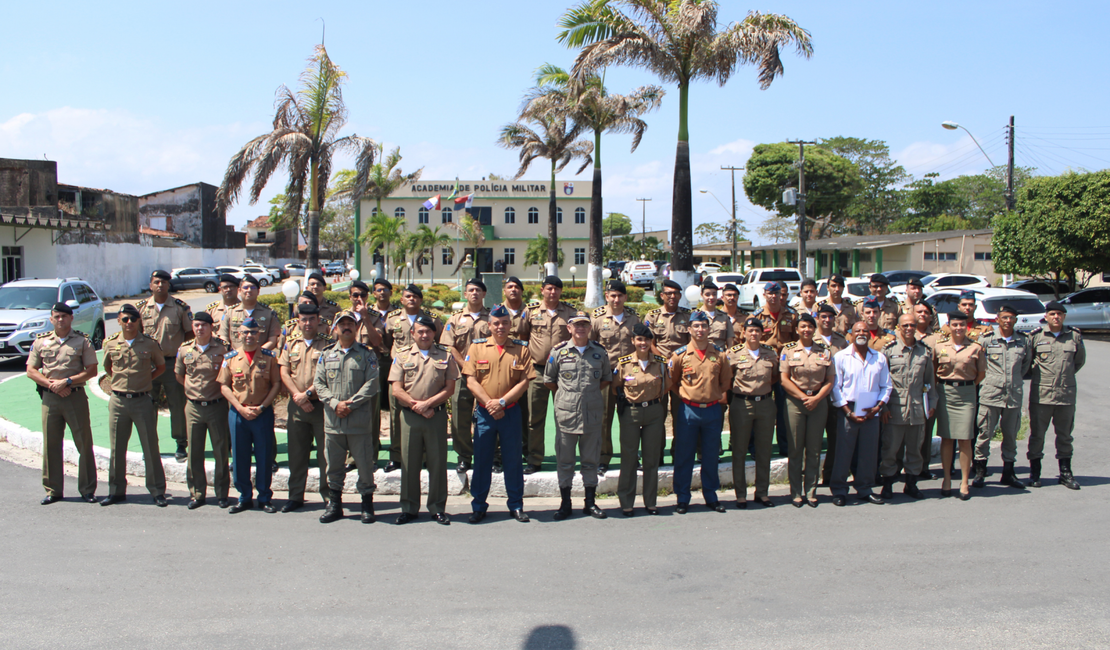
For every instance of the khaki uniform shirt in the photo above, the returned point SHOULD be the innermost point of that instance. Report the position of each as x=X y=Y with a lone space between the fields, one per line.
x=721 y=332
x=911 y=375
x=1007 y=363
x=268 y=323
x=964 y=364
x=836 y=341
x=752 y=375
x=879 y=338
x=498 y=372
x=546 y=329
x=423 y=376
x=801 y=308
x=615 y=337
x=132 y=365
x=328 y=309
x=907 y=308
x=519 y=326
x=201 y=369
x=168 y=326
x=292 y=327
x=462 y=328
x=579 y=401
x=700 y=380
x=301 y=357
x=889 y=312
x=61 y=357
x=777 y=332
x=846 y=316
x=671 y=329
x=399 y=326
x=930 y=339
x=808 y=370
x=250 y=381
x=217 y=310
x=373 y=320
x=342 y=376
x=1056 y=359
x=975 y=329
x=638 y=383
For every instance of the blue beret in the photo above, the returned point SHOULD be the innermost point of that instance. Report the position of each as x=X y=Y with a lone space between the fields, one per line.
x=871 y=302
x=250 y=324
x=699 y=315
x=771 y=287
x=967 y=295
x=499 y=311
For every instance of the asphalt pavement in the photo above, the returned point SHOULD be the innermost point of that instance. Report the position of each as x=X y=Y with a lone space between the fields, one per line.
x=1005 y=569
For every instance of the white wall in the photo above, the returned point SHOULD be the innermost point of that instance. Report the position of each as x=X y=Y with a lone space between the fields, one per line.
x=124 y=269
x=38 y=254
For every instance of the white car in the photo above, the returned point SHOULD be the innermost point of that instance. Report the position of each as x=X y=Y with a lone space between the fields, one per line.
x=751 y=289
x=708 y=268
x=937 y=281
x=25 y=311
x=1030 y=310
x=1088 y=309
x=295 y=269
x=264 y=275
x=854 y=288
x=640 y=274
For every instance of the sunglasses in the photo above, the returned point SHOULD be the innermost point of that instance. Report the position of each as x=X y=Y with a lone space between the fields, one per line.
x=128 y=319
x=906 y=325
x=358 y=294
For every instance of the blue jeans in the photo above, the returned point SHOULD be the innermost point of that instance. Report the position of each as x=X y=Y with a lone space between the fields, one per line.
x=487 y=433
x=694 y=425
x=245 y=435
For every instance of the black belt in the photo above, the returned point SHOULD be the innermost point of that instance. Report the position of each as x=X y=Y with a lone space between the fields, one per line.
x=645 y=404
x=207 y=403
x=540 y=366
x=952 y=382
x=752 y=398
x=130 y=395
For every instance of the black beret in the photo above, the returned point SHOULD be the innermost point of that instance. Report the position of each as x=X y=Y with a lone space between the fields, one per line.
x=249 y=279
x=476 y=282
x=753 y=322
x=708 y=284
x=826 y=308
x=316 y=275
x=808 y=282
x=1009 y=309
x=879 y=277
x=671 y=284
x=359 y=284
x=642 y=330
x=512 y=279
x=616 y=285
x=915 y=282
x=230 y=279
x=311 y=296
x=806 y=318
x=731 y=287
x=308 y=310
x=62 y=307
x=415 y=290
x=385 y=283
x=1054 y=306
x=130 y=310
x=553 y=280
x=957 y=315
x=426 y=321
x=160 y=274
x=837 y=278
x=203 y=317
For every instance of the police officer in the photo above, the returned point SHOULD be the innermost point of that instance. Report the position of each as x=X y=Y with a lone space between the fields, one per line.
x=497 y=371
x=291 y=325
x=548 y=326
x=960 y=367
x=60 y=363
x=305 y=416
x=910 y=364
x=612 y=327
x=975 y=329
x=578 y=373
x=317 y=285
x=268 y=323
x=422 y=381
x=806 y=300
x=889 y=307
x=399 y=325
x=513 y=292
x=730 y=297
x=169 y=323
x=229 y=297
x=755 y=372
x=701 y=376
x=807 y=376
x=845 y=307
x=640 y=382
x=383 y=294
x=1059 y=353
x=464 y=326
x=196 y=368
x=914 y=296
x=371 y=333
x=132 y=360
x=250 y=380
x=779 y=322
x=835 y=341
x=1008 y=361
x=720 y=325
x=670 y=329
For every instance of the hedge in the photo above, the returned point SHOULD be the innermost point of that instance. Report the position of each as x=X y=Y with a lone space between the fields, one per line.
x=532 y=291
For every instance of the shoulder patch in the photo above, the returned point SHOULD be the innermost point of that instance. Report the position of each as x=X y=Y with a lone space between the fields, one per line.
x=80 y=333
x=334 y=343
x=44 y=334
x=230 y=354
x=893 y=343
x=600 y=311
x=562 y=344
x=141 y=303
x=790 y=345
x=182 y=303
x=265 y=352
x=567 y=304
x=736 y=348
x=519 y=342
x=212 y=305
x=332 y=303
x=849 y=301
x=764 y=346
x=440 y=346
x=684 y=310
x=404 y=348
x=219 y=340
x=660 y=358
x=716 y=347
x=395 y=312
x=628 y=358
x=457 y=312
x=114 y=336
x=657 y=310
x=791 y=309
x=681 y=350
x=479 y=341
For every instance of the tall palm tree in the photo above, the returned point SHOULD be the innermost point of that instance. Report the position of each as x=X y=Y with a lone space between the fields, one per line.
x=384 y=231
x=555 y=137
x=536 y=253
x=678 y=41
x=384 y=178
x=431 y=238
x=303 y=141
x=471 y=232
x=591 y=104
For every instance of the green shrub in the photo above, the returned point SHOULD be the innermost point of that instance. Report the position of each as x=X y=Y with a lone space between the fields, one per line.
x=532 y=291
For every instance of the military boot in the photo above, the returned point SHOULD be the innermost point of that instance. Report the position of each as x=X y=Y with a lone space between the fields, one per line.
x=911 y=489
x=1066 y=478
x=979 y=479
x=1035 y=472
x=1009 y=478
x=591 y=508
x=888 y=488
x=333 y=511
x=368 y=509
x=564 y=506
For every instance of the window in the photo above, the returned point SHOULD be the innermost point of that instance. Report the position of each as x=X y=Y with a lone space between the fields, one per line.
x=580 y=256
x=533 y=215
x=580 y=215
x=13 y=263
x=261 y=235
x=448 y=256
x=558 y=215
x=399 y=213
x=863 y=257
x=447 y=215
x=510 y=254
x=510 y=215
x=67 y=293
x=983 y=256
x=942 y=257
x=422 y=215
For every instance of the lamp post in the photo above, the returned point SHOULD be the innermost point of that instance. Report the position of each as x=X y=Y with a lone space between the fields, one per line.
x=952 y=126
x=291 y=289
x=732 y=224
x=573 y=270
x=643 y=227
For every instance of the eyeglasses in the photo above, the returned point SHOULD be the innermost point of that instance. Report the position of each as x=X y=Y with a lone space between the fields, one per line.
x=128 y=319
x=358 y=294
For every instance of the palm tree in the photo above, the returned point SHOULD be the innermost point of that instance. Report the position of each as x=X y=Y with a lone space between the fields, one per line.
x=383 y=232
x=471 y=232
x=589 y=103
x=384 y=178
x=536 y=253
x=554 y=138
x=431 y=238
x=303 y=141
x=678 y=41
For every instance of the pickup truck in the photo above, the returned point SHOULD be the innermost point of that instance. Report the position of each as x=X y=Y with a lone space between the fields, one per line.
x=640 y=274
x=751 y=289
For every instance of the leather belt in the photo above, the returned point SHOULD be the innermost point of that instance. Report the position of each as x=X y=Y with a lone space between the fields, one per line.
x=752 y=398
x=130 y=395
x=540 y=366
x=953 y=382
x=698 y=405
x=647 y=403
x=809 y=393
x=208 y=402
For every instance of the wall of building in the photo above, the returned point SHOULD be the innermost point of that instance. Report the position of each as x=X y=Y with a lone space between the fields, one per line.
x=118 y=212
x=189 y=211
x=124 y=269
x=39 y=256
x=28 y=183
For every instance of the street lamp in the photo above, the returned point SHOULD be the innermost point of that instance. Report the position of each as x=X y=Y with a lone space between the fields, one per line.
x=573 y=270
x=291 y=289
x=354 y=274
x=952 y=126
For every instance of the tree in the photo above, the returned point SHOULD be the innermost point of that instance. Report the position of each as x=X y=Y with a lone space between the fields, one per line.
x=591 y=104
x=537 y=253
x=879 y=202
x=430 y=239
x=832 y=182
x=383 y=231
x=471 y=232
x=337 y=233
x=555 y=138
x=678 y=41
x=616 y=224
x=778 y=229
x=303 y=141
x=384 y=178
x=708 y=233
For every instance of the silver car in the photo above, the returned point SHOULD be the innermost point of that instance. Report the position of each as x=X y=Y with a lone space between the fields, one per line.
x=25 y=311
x=1088 y=309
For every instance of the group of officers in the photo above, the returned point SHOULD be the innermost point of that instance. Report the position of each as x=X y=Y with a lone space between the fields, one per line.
x=870 y=378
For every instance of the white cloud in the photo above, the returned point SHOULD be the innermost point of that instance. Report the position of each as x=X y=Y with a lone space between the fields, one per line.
x=949 y=159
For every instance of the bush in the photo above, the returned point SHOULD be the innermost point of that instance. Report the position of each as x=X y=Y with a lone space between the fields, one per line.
x=532 y=291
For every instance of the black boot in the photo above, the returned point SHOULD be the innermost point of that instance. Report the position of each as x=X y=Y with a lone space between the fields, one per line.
x=591 y=508
x=1008 y=477
x=888 y=488
x=979 y=480
x=564 y=506
x=1035 y=472
x=333 y=511
x=1066 y=478
x=911 y=489
x=368 y=509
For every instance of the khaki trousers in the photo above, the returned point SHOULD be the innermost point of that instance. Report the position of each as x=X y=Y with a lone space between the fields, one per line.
x=123 y=413
x=1062 y=417
x=420 y=436
x=806 y=428
x=743 y=415
x=990 y=418
x=643 y=429
x=538 y=398
x=462 y=421
x=303 y=429
x=895 y=437
x=57 y=412
x=361 y=448
x=202 y=422
x=607 y=429
x=175 y=399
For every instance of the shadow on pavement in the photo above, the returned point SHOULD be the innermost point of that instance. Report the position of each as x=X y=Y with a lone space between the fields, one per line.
x=553 y=637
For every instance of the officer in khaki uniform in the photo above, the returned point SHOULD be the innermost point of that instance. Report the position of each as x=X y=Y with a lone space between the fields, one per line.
x=60 y=363
x=399 y=326
x=873 y=312
x=612 y=327
x=347 y=383
x=1009 y=359
x=755 y=372
x=670 y=328
x=513 y=291
x=844 y=306
x=229 y=297
x=317 y=285
x=889 y=307
x=291 y=325
x=835 y=341
x=910 y=363
x=807 y=376
x=1058 y=354
x=960 y=365
x=720 y=325
x=169 y=323
x=371 y=333
x=465 y=325
x=640 y=381
x=269 y=325
x=196 y=368
x=132 y=360
x=423 y=380
x=578 y=373
x=548 y=321
x=914 y=296
x=779 y=323
x=305 y=417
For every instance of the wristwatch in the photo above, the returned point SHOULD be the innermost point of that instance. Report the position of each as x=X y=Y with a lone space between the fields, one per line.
x=308 y=392
x=501 y=402
x=69 y=381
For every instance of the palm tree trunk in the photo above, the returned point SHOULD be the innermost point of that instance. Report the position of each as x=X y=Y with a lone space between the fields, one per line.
x=682 y=254
x=593 y=268
x=313 y=260
x=552 y=230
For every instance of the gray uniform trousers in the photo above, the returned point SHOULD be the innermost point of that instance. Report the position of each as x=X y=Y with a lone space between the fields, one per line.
x=855 y=439
x=462 y=422
x=641 y=428
x=123 y=413
x=302 y=431
x=175 y=399
x=202 y=422
x=743 y=414
x=420 y=436
x=830 y=441
x=1062 y=417
x=57 y=412
x=588 y=444
x=539 y=396
x=807 y=428
x=990 y=418
x=361 y=448
x=899 y=437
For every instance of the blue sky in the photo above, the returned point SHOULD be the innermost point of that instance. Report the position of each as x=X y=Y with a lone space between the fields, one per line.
x=142 y=96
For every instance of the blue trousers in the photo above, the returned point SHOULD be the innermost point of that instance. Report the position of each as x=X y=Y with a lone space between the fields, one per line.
x=487 y=433
x=692 y=426
x=249 y=436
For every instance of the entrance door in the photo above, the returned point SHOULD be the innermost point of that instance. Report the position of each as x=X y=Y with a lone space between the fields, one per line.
x=483 y=263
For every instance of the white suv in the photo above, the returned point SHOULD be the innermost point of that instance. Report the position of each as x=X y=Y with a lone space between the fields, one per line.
x=641 y=274
x=751 y=289
x=25 y=311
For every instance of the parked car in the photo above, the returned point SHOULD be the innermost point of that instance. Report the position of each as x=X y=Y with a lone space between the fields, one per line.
x=708 y=268
x=615 y=267
x=1043 y=288
x=25 y=311
x=335 y=268
x=854 y=288
x=264 y=275
x=897 y=278
x=294 y=269
x=281 y=272
x=1030 y=310
x=638 y=273
x=1088 y=308
x=235 y=271
x=751 y=289
x=937 y=281
x=725 y=277
x=195 y=277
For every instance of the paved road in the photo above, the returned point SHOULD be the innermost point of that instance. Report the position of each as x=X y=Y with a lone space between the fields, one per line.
x=1005 y=569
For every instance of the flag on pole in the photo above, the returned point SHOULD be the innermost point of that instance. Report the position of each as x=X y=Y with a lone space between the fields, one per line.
x=432 y=203
x=454 y=192
x=468 y=200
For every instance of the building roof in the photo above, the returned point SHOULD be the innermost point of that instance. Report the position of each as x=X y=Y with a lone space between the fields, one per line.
x=154 y=232
x=261 y=222
x=873 y=241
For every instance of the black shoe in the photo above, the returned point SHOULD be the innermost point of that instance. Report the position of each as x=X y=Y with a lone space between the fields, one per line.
x=946 y=493
x=477 y=517
x=292 y=506
x=160 y=500
x=628 y=513
x=798 y=503
x=812 y=503
x=601 y=469
x=181 y=454
x=392 y=466
x=113 y=498
x=273 y=468
x=223 y=503
x=519 y=515
x=531 y=469
x=332 y=512
x=498 y=468
x=196 y=503
x=268 y=508
x=716 y=507
x=652 y=511
x=240 y=506
x=741 y=505
x=964 y=496
x=766 y=503
x=1035 y=472
x=368 y=509
x=681 y=508
x=442 y=518
x=872 y=498
x=839 y=501
x=912 y=491
x=462 y=466
x=88 y=498
x=979 y=478
x=1067 y=479
x=405 y=518
x=887 y=493
x=50 y=498
x=595 y=512
x=563 y=512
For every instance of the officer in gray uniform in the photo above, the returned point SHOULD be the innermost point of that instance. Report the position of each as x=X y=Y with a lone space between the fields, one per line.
x=1008 y=361
x=1058 y=353
x=913 y=377
x=579 y=374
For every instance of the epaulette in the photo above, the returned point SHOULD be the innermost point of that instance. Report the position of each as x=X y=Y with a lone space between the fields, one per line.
x=534 y=303
x=479 y=341
x=657 y=310
x=266 y=353
x=628 y=358
x=290 y=323
x=660 y=358
x=891 y=344
x=114 y=336
x=600 y=311
x=684 y=310
x=519 y=342
x=429 y=314
x=230 y=354
x=405 y=348
x=212 y=305
x=80 y=333
x=216 y=338
x=141 y=303
x=44 y=334
x=334 y=343
x=562 y=344
x=849 y=300
x=945 y=337
x=789 y=308
x=323 y=336
x=183 y=303
x=457 y=312
x=362 y=345
x=716 y=347
x=395 y=312
x=563 y=302
x=332 y=303
x=295 y=336
x=791 y=345
x=440 y=346
x=818 y=344
x=737 y=347
x=764 y=346
x=681 y=350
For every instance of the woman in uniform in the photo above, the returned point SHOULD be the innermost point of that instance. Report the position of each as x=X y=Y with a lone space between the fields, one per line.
x=960 y=366
x=751 y=404
x=640 y=381
x=807 y=376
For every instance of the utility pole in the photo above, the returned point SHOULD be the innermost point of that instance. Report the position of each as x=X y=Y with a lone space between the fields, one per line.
x=1010 y=168
x=801 y=202
x=732 y=227
x=643 y=228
